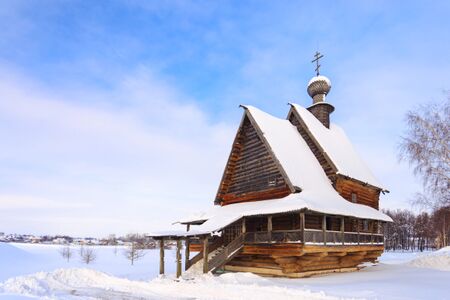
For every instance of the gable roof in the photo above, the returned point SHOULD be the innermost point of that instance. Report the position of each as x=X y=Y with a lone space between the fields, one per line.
x=337 y=147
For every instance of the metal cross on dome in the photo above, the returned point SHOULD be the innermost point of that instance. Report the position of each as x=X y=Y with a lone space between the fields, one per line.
x=316 y=60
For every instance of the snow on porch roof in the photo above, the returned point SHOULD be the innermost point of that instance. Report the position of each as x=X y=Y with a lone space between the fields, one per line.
x=338 y=147
x=319 y=201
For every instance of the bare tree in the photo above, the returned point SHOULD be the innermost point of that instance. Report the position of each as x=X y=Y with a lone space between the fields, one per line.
x=66 y=252
x=134 y=252
x=426 y=146
x=87 y=255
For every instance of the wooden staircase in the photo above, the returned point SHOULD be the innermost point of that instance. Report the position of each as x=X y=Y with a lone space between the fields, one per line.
x=224 y=253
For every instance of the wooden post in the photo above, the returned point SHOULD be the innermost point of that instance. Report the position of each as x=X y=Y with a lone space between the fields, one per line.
x=324 y=229
x=357 y=228
x=371 y=231
x=302 y=227
x=269 y=227
x=178 y=258
x=244 y=228
x=343 y=230
x=186 y=253
x=205 y=255
x=188 y=227
x=161 y=257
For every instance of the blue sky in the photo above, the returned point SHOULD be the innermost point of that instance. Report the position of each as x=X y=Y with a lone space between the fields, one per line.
x=118 y=116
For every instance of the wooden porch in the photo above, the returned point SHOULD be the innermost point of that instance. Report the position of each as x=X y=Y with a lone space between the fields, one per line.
x=252 y=245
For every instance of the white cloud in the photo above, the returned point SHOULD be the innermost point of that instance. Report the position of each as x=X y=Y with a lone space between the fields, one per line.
x=21 y=202
x=134 y=153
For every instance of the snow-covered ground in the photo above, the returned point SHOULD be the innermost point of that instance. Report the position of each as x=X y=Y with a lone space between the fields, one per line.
x=38 y=271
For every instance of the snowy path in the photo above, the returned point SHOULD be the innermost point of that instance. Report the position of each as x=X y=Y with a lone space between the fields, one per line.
x=398 y=276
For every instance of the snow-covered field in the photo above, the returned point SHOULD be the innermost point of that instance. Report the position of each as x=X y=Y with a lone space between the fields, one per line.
x=38 y=271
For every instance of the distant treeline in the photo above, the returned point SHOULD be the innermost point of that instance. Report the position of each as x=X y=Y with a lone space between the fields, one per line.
x=139 y=240
x=423 y=231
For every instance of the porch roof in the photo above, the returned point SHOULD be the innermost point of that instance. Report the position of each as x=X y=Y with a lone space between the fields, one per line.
x=221 y=216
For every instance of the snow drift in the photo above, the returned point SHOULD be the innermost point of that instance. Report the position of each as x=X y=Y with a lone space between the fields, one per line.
x=87 y=283
x=439 y=260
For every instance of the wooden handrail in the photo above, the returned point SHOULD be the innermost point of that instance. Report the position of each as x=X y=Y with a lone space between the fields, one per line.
x=227 y=253
x=199 y=255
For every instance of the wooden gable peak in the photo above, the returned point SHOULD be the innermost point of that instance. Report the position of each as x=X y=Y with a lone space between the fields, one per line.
x=252 y=172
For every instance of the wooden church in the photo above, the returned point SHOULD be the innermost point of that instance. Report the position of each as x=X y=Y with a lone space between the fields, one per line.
x=295 y=199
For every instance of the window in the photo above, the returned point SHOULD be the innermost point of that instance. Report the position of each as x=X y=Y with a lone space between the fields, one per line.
x=354 y=197
x=273 y=182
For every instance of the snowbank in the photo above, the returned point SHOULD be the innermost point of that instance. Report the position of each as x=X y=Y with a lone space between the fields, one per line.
x=86 y=283
x=72 y=283
x=439 y=260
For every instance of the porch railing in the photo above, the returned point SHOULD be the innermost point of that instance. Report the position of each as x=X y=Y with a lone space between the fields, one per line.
x=199 y=256
x=227 y=253
x=314 y=236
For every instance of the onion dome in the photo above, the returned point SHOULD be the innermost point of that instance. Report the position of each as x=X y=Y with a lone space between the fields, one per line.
x=318 y=87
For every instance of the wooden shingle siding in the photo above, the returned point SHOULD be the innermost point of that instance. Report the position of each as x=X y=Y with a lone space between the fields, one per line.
x=251 y=172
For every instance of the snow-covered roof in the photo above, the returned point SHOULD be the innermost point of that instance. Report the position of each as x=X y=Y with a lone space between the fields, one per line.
x=338 y=148
x=302 y=169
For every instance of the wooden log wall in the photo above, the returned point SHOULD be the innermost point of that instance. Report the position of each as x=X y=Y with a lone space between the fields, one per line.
x=232 y=231
x=296 y=260
x=313 y=222
x=251 y=172
x=254 y=224
x=286 y=222
x=364 y=194
x=334 y=223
